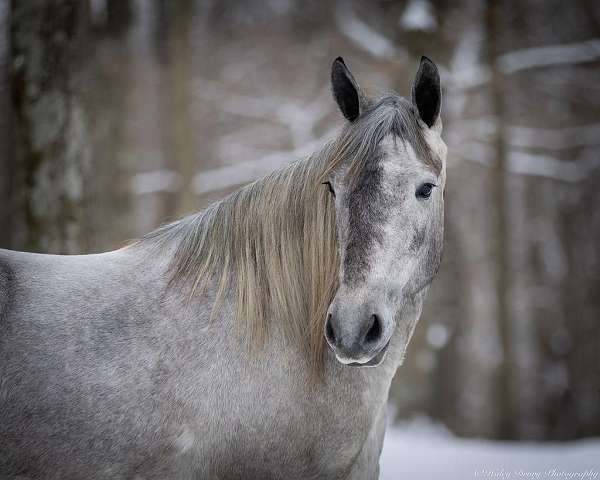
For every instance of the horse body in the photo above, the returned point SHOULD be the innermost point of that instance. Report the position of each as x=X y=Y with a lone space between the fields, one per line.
x=199 y=352
x=105 y=375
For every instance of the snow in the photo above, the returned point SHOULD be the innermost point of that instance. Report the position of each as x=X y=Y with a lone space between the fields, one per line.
x=420 y=449
x=418 y=16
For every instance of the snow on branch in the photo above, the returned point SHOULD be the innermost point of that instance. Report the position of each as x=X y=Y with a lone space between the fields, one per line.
x=418 y=16
x=549 y=55
x=230 y=176
x=578 y=169
x=476 y=152
x=299 y=117
x=536 y=165
x=480 y=128
x=364 y=36
x=162 y=180
x=465 y=71
x=555 y=138
x=471 y=74
x=484 y=127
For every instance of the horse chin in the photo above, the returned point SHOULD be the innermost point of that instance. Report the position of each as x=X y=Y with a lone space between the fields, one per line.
x=375 y=361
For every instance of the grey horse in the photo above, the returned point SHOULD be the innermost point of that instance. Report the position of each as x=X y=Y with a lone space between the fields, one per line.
x=256 y=339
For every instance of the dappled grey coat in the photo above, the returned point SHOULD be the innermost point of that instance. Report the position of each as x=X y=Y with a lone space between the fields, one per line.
x=198 y=352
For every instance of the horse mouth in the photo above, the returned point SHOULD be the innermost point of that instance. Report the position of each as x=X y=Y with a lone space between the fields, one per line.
x=375 y=361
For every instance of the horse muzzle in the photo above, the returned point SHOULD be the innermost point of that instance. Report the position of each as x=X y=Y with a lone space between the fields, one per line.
x=358 y=335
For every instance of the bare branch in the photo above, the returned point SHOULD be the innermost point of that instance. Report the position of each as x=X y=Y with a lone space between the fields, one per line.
x=244 y=172
x=555 y=138
x=163 y=180
x=550 y=55
x=523 y=163
x=364 y=36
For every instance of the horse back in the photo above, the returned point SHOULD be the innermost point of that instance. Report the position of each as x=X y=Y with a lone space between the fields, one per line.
x=75 y=332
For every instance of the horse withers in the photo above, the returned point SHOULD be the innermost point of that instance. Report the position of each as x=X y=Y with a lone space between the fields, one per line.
x=255 y=339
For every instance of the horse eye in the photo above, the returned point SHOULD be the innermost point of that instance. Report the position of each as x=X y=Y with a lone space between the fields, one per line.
x=424 y=191
x=330 y=188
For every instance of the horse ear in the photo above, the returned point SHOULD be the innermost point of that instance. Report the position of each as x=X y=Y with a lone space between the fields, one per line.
x=427 y=92
x=346 y=92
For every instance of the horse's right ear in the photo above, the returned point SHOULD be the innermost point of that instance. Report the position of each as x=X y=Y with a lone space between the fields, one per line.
x=427 y=92
x=345 y=90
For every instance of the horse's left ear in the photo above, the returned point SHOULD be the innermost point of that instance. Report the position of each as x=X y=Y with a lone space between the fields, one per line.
x=346 y=92
x=427 y=92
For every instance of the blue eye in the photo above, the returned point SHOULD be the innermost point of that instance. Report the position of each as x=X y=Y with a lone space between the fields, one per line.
x=424 y=191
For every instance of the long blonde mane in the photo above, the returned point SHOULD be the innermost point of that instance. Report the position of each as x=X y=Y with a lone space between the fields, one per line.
x=272 y=244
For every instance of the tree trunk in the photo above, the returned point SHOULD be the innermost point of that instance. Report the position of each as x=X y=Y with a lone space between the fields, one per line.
x=175 y=27
x=51 y=139
x=7 y=163
x=505 y=415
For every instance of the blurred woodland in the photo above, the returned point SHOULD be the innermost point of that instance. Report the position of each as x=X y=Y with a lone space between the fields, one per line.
x=118 y=115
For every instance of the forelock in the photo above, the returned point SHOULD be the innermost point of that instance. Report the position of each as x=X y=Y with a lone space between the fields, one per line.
x=387 y=115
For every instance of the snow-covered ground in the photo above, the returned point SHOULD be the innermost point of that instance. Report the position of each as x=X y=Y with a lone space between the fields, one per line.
x=420 y=450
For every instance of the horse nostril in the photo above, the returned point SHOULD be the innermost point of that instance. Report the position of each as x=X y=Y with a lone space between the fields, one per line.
x=374 y=331
x=329 y=333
